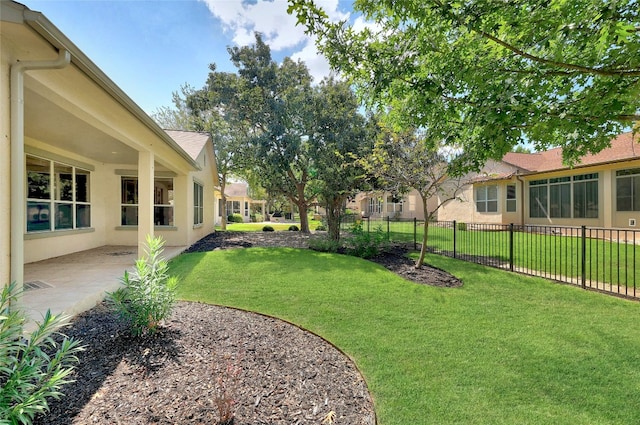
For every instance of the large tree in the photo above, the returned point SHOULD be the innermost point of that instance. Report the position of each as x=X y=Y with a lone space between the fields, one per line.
x=547 y=72
x=340 y=138
x=272 y=100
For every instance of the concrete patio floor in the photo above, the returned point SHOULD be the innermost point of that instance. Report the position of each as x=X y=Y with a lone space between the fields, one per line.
x=73 y=283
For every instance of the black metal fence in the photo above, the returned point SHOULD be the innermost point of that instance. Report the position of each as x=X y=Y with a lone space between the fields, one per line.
x=602 y=259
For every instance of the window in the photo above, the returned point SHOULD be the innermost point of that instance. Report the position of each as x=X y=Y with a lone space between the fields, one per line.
x=511 y=201
x=198 y=203
x=628 y=190
x=564 y=197
x=560 y=197
x=162 y=201
x=246 y=209
x=233 y=207
x=57 y=187
x=487 y=198
x=394 y=204
x=375 y=205
x=538 y=194
x=585 y=196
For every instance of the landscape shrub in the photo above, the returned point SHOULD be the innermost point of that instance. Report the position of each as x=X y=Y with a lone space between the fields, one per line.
x=235 y=218
x=365 y=244
x=257 y=217
x=324 y=244
x=321 y=228
x=462 y=226
x=32 y=369
x=149 y=293
x=268 y=228
x=293 y=228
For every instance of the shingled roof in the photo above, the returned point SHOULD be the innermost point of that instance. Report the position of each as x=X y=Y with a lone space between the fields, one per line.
x=192 y=142
x=625 y=147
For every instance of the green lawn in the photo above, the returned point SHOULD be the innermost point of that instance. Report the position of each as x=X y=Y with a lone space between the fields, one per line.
x=553 y=256
x=503 y=349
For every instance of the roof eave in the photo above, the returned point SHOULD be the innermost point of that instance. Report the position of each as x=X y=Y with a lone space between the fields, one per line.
x=39 y=23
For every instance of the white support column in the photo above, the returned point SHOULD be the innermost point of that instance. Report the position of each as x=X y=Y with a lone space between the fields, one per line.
x=145 y=198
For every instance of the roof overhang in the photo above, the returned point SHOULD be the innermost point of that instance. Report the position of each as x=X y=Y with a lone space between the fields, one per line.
x=79 y=108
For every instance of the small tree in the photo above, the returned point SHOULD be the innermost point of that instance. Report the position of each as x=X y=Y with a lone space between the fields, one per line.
x=405 y=161
x=32 y=369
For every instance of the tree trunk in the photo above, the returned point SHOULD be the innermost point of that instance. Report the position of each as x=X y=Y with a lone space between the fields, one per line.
x=301 y=203
x=423 y=248
x=334 y=213
x=223 y=210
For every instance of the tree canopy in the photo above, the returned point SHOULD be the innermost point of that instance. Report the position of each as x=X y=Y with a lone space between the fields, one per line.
x=494 y=73
x=294 y=136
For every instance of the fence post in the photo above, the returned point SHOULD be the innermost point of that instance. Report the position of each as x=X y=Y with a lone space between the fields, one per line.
x=455 y=228
x=388 y=228
x=415 y=233
x=584 y=256
x=511 y=246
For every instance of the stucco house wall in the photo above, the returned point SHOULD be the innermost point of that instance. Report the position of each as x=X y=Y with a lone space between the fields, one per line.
x=525 y=172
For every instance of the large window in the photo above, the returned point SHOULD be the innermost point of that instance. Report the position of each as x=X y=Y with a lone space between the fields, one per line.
x=198 y=203
x=628 y=190
x=564 y=197
x=487 y=198
x=560 y=197
x=538 y=198
x=57 y=196
x=585 y=196
x=162 y=201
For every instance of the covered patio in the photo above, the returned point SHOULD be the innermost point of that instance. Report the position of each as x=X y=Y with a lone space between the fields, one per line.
x=73 y=283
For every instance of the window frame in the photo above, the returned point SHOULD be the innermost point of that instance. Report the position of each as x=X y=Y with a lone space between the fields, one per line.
x=59 y=195
x=486 y=200
x=633 y=176
x=159 y=204
x=198 y=204
x=588 y=207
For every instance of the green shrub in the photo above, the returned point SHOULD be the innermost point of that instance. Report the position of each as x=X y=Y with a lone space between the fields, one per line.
x=321 y=228
x=293 y=228
x=365 y=244
x=33 y=369
x=257 y=217
x=324 y=244
x=235 y=218
x=149 y=293
x=462 y=226
x=267 y=228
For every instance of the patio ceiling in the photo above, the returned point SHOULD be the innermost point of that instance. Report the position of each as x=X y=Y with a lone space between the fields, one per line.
x=47 y=122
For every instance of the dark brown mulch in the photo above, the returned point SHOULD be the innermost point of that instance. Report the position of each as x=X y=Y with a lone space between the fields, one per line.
x=273 y=372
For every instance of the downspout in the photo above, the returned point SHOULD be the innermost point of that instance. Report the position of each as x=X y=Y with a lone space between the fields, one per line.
x=18 y=207
x=522 y=195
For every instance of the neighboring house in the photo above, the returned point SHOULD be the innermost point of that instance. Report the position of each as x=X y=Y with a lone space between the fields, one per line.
x=81 y=165
x=239 y=202
x=384 y=204
x=601 y=190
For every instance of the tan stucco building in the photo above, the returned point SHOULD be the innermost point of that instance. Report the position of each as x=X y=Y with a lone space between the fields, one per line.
x=601 y=190
x=81 y=165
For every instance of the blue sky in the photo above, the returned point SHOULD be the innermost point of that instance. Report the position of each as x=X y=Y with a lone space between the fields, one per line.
x=151 y=48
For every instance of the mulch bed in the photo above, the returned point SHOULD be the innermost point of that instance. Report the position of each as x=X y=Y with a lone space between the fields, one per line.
x=207 y=358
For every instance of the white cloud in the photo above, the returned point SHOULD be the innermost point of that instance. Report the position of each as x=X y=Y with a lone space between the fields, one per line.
x=270 y=18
